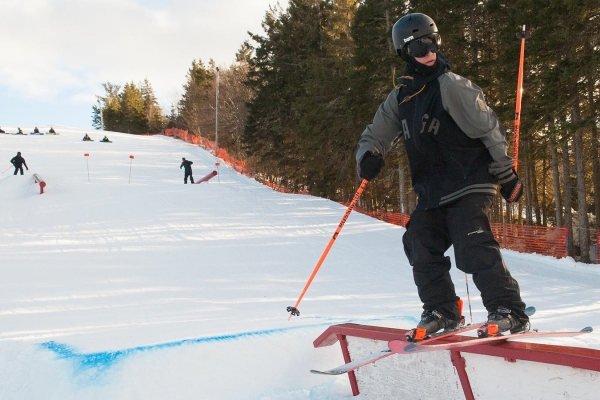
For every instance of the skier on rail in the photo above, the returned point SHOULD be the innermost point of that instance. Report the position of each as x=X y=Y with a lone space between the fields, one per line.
x=456 y=150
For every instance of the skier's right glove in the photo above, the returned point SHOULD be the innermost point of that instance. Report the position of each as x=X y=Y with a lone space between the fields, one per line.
x=370 y=165
x=511 y=186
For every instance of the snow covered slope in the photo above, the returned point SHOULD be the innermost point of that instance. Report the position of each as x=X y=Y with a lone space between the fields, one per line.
x=154 y=289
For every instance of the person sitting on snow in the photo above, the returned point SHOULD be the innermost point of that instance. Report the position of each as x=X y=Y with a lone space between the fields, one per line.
x=105 y=139
x=19 y=131
x=1 y=131
x=52 y=131
x=86 y=138
x=36 y=130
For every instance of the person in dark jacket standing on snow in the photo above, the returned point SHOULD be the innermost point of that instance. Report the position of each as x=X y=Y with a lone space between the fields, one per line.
x=457 y=154
x=187 y=166
x=18 y=162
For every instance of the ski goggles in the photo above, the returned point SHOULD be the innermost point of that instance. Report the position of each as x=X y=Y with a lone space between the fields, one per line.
x=422 y=46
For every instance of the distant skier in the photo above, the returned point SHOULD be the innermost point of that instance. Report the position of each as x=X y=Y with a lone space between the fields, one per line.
x=105 y=139
x=86 y=138
x=18 y=162
x=2 y=131
x=36 y=130
x=52 y=131
x=187 y=165
x=20 y=131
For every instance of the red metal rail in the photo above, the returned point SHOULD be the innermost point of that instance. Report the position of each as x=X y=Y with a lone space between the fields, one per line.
x=38 y=179
x=558 y=355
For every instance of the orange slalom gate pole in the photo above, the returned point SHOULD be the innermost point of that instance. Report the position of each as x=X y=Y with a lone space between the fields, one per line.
x=523 y=35
x=294 y=310
x=86 y=155
x=130 y=163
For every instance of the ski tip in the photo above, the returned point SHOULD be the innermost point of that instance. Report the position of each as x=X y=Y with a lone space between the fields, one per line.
x=587 y=329
x=330 y=372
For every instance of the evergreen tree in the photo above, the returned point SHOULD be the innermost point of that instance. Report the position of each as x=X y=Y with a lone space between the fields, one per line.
x=130 y=109
x=152 y=110
x=111 y=107
x=172 y=118
x=278 y=73
x=376 y=68
x=193 y=108
x=134 y=118
x=325 y=134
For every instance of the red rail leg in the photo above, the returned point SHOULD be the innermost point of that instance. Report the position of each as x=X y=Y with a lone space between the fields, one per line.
x=460 y=365
x=347 y=359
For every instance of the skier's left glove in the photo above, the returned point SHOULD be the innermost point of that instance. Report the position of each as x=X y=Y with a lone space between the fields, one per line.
x=511 y=186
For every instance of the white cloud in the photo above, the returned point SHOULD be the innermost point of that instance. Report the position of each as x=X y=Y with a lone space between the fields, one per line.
x=68 y=48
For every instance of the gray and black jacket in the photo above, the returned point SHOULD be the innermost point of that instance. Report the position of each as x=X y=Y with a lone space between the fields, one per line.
x=455 y=144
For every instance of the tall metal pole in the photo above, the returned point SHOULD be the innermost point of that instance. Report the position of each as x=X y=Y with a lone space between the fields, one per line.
x=523 y=35
x=217 y=115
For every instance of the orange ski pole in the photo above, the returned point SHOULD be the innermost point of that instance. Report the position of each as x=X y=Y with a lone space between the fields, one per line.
x=294 y=310
x=523 y=35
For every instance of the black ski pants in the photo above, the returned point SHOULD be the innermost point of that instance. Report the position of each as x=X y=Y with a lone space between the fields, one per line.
x=18 y=168
x=188 y=173
x=464 y=224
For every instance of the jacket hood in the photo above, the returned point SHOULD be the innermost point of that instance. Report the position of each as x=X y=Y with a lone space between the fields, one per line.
x=420 y=76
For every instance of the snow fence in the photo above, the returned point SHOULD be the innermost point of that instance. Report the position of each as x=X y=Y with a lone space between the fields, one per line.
x=548 y=241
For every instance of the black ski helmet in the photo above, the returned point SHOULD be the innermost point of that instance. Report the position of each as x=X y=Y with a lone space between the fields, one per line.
x=410 y=27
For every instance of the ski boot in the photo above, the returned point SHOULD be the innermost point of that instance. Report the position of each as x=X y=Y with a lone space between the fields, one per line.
x=433 y=321
x=501 y=320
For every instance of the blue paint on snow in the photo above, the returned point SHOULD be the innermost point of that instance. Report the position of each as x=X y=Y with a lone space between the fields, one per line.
x=94 y=365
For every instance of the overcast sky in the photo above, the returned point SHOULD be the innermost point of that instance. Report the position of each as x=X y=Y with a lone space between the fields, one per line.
x=55 y=54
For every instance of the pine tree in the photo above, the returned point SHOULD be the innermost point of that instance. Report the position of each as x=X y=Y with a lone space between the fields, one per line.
x=132 y=108
x=193 y=106
x=111 y=107
x=278 y=73
x=325 y=134
x=152 y=110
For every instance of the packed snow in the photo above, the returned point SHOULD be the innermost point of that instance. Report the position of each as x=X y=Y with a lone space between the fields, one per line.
x=121 y=282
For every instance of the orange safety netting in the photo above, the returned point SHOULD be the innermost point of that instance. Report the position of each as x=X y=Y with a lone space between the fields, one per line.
x=549 y=241
x=545 y=240
x=239 y=166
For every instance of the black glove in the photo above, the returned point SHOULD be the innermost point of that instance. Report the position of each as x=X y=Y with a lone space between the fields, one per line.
x=511 y=186
x=370 y=166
